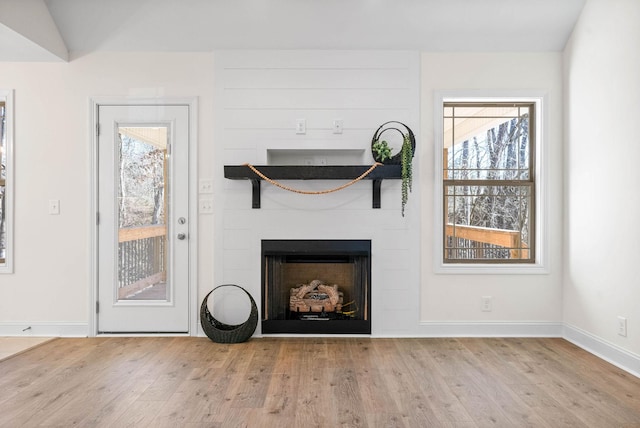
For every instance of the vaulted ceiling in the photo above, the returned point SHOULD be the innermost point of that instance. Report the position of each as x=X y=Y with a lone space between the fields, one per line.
x=57 y=30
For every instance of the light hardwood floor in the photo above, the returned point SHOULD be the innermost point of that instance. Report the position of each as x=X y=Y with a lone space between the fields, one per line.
x=10 y=346
x=314 y=382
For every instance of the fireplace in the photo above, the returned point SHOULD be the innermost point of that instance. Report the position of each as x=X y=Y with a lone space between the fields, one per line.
x=316 y=286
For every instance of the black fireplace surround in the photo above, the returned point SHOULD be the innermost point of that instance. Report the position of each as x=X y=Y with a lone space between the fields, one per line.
x=286 y=264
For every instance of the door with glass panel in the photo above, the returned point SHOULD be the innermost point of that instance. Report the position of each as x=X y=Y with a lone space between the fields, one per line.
x=143 y=219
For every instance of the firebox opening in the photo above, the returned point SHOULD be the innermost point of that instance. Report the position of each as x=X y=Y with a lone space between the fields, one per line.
x=316 y=286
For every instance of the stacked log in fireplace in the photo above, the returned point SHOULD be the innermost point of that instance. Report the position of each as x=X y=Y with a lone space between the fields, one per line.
x=316 y=297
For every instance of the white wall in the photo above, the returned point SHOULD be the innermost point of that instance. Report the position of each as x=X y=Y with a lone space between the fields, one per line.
x=50 y=286
x=602 y=68
x=533 y=300
x=52 y=275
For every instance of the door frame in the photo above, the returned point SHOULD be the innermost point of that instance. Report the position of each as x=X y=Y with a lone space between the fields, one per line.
x=192 y=103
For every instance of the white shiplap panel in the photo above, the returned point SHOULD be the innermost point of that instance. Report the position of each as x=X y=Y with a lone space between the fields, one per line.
x=238 y=239
x=315 y=59
x=304 y=99
x=332 y=78
x=239 y=157
x=353 y=119
x=259 y=95
x=315 y=138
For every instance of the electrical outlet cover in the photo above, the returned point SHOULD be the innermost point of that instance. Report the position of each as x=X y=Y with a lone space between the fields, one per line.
x=622 y=326
x=205 y=206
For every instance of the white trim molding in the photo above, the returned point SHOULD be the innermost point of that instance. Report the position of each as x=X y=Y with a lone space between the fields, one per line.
x=490 y=329
x=192 y=104
x=44 y=329
x=541 y=266
x=607 y=351
x=7 y=97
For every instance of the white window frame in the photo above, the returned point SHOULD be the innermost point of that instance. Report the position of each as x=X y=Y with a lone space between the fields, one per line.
x=541 y=264
x=6 y=96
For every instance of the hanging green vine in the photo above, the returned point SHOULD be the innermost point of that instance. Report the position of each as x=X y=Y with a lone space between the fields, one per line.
x=383 y=153
x=407 y=175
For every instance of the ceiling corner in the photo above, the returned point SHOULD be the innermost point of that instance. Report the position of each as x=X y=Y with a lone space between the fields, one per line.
x=29 y=32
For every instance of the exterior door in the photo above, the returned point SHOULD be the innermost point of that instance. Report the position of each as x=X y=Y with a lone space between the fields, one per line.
x=143 y=219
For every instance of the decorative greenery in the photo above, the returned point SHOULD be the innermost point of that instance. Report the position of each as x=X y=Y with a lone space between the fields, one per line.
x=382 y=150
x=407 y=173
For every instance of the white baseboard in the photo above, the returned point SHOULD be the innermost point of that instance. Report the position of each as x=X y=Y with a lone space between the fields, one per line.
x=489 y=329
x=609 y=352
x=43 y=329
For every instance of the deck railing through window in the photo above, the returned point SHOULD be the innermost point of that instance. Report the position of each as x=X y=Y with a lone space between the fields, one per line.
x=472 y=242
x=142 y=258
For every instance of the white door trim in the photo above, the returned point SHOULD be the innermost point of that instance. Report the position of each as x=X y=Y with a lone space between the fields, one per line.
x=192 y=104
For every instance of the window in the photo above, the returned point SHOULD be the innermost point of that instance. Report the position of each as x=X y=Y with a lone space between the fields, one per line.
x=489 y=182
x=5 y=181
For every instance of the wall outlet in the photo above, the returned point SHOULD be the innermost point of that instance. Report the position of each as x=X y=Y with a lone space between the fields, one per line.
x=338 y=126
x=487 y=304
x=54 y=206
x=622 y=326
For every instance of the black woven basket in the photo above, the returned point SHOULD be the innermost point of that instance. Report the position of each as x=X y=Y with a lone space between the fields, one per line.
x=397 y=158
x=224 y=333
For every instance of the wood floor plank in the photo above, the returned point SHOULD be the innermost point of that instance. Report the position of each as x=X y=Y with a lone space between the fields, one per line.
x=314 y=406
x=388 y=420
x=281 y=398
x=614 y=398
x=585 y=399
x=10 y=346
x=545 y=406
x=482 y=409
x=436 y=403
x=139 y=414
x=489 y=377
x=372 y=385
x=71 y=374
x=347 y=401
x=414 y=406
x=251 y=391
x=314 y=382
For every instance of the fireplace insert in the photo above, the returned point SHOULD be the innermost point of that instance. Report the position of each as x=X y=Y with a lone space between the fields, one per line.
x=316 y=286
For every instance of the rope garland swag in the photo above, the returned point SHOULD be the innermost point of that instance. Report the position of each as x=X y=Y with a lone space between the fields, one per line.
x=312 y=192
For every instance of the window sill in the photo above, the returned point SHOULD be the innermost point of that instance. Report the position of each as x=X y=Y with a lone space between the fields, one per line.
x=491 y=269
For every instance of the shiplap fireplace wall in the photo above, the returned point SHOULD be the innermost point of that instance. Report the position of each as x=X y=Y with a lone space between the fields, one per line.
x=259 y=96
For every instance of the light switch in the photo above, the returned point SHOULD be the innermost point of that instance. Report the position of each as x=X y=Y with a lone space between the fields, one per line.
x=301 y=126
x=54 y=206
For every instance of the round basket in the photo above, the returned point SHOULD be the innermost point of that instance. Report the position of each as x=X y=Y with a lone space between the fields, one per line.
x=397 y=158
x=224 y=333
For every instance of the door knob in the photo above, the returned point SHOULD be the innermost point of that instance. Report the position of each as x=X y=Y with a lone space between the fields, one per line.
x=181 y=236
